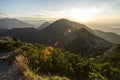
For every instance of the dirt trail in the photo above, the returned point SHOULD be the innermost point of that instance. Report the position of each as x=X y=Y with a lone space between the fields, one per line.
x=109 y=51
x=7 y=71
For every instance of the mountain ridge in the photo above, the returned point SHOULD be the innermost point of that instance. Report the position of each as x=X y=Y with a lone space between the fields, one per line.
x=9 y=23
x=63 y=33
x=109 y=36
x=85 y=42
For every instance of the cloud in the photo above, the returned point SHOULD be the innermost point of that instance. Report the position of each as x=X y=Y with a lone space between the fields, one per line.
x=70 y=13
x=111 y=4
x=73 y=12
x=2 y=15
x=116 y=2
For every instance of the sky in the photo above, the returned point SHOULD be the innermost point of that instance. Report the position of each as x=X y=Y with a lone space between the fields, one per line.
x=85 y=11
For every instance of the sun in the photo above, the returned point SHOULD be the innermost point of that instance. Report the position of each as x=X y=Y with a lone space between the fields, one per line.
x=81 y=15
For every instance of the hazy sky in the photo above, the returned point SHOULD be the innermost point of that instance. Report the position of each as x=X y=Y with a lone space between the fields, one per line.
x=79 y=10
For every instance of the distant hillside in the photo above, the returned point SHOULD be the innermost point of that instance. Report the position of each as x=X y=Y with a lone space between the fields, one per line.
x=9 y=23
x=3 y=30
x=24 y=34
x=114 y=30
x=44 y=25
x=109 y=36
x=86 y=44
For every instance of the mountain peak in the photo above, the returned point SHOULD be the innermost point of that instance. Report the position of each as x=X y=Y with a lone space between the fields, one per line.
x=63 y=19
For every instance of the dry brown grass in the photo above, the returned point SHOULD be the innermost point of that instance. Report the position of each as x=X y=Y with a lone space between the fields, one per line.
x=22 y=64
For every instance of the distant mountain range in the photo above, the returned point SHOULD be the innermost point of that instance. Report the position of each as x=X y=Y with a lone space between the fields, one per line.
x=72 y=36
x=62 y=24
x=109 y=36
x=9 y=23
x=114 y=30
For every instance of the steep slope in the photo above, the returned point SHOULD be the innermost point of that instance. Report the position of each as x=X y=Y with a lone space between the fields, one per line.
x=44 y=25
x=9 y=23
x=109 y=36
x=86 y=44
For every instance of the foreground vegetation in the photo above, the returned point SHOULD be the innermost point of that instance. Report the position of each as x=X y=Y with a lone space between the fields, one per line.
x=39 y=62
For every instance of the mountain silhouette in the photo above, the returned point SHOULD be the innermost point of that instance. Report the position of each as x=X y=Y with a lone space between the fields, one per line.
x=8 y=23
x=109 y=36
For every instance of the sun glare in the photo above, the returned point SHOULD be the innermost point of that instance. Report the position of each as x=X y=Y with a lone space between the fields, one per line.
x=81 y=15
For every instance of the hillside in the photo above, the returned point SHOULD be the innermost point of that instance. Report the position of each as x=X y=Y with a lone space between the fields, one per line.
x=58 y=30
x=109 y=36
x=24 y=34
x=86 y=44
x=38 y=62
